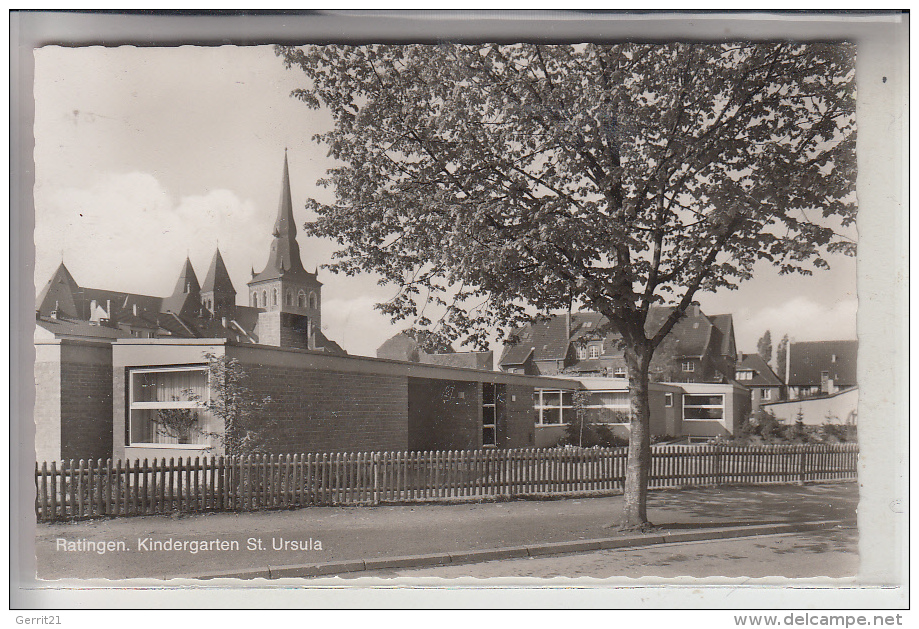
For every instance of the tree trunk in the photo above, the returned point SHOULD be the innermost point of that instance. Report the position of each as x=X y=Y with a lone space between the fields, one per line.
x=635 y=509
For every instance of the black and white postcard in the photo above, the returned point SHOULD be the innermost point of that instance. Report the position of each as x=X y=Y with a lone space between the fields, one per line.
x=462 y=305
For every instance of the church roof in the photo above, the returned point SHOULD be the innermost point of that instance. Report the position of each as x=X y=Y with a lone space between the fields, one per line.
x=186 y=297
x=59 y=293
x=217 y=279
x=284 y=257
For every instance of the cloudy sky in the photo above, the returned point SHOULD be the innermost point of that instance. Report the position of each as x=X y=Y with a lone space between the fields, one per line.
x=146 y=155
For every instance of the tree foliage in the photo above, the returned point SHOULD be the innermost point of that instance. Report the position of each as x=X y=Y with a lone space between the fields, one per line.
x=781 y=357
x=490 y=181
x=247 y=426
x=764 y=347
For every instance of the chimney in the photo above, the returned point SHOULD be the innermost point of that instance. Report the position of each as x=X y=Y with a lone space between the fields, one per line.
x=134 y=309
x=223 y=321
x=108 y=308
x=37 y=314
x=694 y=308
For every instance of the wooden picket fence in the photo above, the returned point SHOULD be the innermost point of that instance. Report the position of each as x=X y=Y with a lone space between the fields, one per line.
x=81 y=489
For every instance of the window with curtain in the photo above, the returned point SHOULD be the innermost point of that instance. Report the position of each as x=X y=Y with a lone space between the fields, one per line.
x=167 y=407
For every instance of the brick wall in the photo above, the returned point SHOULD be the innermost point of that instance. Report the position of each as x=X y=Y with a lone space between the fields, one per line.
x=518 y=418
x=444 y=414
x=326 y=411
x=47 y=414
x=86 y=401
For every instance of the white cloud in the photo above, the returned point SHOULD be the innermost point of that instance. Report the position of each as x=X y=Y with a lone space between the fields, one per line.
x=355 y=325
x=126 y=232
x=802 y=318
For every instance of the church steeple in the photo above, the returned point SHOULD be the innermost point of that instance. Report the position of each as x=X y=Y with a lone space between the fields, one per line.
x=217 y=293
x=288 y=296
x=284 y=256
x=284 y=225
x=186 y=297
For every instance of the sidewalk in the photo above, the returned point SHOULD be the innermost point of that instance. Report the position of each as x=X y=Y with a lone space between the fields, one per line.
x=243 y=543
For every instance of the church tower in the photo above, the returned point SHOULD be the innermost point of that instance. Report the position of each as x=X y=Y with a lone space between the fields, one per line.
x=218 y=297
x=185 y=300
x=289 y=297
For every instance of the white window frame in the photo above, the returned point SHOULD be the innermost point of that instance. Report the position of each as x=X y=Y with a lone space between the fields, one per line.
x=543 y=410
x=694 y=419
x=594 y=351
x=767 y=394
x=132 y=405
x=688 y=366
x=582 y=352
x=668 y=400
x=620 y=372
x=745 y=374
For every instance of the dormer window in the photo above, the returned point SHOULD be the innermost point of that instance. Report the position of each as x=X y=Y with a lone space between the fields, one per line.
x=594 y=351
x=582 y=353
x=588 y=324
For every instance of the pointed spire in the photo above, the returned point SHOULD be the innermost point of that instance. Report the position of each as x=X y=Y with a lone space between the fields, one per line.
x=217 y=279
x=284 y=226
x=284 y=257
x=186 y=297
x=60 y=294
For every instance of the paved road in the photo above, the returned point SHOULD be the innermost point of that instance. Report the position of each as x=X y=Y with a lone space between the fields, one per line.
x=370 y=532
x=824 y=553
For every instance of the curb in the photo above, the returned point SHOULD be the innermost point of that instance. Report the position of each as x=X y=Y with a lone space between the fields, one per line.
x=333 y=568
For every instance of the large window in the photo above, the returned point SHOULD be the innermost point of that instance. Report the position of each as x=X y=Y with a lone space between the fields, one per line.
x=603 y=407
x=594 y=351
x=554 y=407
x=703 y=407
x=745 y=374
x=167 y=407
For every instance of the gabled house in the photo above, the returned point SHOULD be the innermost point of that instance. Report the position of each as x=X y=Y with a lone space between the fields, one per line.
x=755 y=373
x=820 y=367
x=700 y=348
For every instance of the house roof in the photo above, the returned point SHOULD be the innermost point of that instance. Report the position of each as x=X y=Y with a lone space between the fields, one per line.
x=807 y=361
x=763 y=376
x=725 y=325
x=82 y=329
x=60 y=293
x=400 y=346
x=547 y=340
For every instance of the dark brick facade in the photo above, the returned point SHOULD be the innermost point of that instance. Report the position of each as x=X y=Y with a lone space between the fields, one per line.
x=444 y=414
x=318 y=411
x=73 y=407
x=517 y=418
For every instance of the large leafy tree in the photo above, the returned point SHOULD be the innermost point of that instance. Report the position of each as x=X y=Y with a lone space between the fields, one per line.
x=499 y=181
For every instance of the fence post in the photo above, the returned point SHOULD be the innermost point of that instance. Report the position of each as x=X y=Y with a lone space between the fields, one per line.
x=801 y=464
x=375 y=463
x=719 y=480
